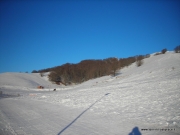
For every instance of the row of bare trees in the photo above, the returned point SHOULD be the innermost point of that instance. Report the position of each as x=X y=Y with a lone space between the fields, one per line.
x=89 y=69
x=85 y=70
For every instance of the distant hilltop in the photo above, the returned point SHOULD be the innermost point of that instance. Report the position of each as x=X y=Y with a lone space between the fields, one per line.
x=68 y=74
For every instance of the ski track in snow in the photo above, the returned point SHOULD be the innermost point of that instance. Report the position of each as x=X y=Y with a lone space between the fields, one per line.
x=144 y=97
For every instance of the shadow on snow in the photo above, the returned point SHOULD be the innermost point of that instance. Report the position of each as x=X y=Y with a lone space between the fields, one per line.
x=81 y=114
x=135 y=131
x=2 y=95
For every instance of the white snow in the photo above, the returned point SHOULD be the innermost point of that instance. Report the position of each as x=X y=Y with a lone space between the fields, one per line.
x=25 y=81
x=147 y=97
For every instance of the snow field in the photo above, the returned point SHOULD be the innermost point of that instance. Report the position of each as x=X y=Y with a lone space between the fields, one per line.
x=146 y=97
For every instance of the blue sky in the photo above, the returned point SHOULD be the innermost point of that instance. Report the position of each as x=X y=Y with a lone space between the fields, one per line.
x=41 y=34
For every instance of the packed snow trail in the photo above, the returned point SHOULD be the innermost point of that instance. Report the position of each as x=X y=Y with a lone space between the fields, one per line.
x=82 y=114
x=36 y=117
x=30 y=117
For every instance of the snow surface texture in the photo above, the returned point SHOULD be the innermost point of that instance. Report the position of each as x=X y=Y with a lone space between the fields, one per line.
x=145 y=97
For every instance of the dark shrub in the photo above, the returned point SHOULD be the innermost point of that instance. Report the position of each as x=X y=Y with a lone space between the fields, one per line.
x=139 y=63
x=177 y=49
x=157 y=54
x=164 y=51
x=139 y=60
x=147 y=56
x=34 y=71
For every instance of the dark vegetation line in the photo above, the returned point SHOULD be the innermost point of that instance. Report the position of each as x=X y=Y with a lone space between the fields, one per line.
x=82 y=114
x=88 y=69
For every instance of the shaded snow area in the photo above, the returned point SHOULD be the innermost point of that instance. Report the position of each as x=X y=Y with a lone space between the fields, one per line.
x=141 y=100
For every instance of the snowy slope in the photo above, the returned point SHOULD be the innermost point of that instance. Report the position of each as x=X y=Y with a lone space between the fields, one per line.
x=24 y=80
x=147 y=97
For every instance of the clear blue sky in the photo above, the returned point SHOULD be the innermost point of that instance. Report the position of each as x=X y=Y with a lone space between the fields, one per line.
x=42 y=34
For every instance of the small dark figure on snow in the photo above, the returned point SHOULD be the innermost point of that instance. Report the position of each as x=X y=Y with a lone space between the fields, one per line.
x=54 y=90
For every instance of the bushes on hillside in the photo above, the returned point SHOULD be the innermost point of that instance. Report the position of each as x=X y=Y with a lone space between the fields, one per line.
x=85 y=70
x=34 y=71
x=177 y=49
x=139 y=60
x=126 y=61
x=42 y=74
x=158 y=53
x=88 y=69
x=147 y=56
x=163 y=51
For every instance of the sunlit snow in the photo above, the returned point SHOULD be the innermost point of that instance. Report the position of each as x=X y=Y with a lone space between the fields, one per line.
x=138 y=98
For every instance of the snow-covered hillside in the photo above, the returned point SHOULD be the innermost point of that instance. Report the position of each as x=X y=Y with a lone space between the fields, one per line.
x=24 y=80
x=145 y=97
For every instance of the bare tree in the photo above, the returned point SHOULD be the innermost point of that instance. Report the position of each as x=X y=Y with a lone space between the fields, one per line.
x=42 y=74
x=177 y=49
x=114 y=64
x=139 y=60
x=164 y=51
